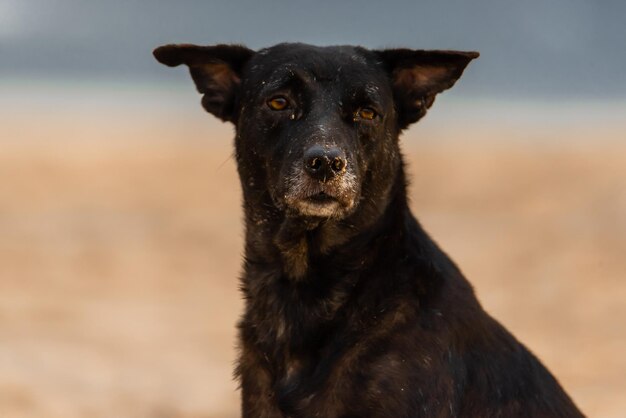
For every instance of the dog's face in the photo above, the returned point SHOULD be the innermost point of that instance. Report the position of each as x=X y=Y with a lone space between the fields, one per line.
x=317 y=127
x=315 y=118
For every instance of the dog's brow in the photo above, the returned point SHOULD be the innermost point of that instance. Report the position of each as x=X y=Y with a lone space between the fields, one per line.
x=371 y=92
x=366 y=92
x=286 y=77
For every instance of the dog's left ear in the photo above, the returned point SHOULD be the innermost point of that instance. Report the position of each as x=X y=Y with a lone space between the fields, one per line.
x=417 y=76
x=216 y=70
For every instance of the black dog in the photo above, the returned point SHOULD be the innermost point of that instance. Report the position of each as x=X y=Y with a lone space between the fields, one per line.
x=351 y=309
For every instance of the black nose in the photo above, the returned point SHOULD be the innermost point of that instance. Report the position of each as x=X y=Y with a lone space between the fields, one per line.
x=324 y=163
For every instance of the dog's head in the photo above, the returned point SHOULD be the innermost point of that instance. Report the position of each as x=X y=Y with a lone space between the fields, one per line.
x=317 y=127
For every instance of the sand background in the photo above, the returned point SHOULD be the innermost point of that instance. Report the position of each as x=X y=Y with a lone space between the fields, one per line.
x=121 y=239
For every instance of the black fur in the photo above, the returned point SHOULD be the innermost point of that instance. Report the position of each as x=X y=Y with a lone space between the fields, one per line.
x=351 y=309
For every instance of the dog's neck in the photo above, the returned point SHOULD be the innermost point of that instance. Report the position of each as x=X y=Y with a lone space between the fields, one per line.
x=294 y=245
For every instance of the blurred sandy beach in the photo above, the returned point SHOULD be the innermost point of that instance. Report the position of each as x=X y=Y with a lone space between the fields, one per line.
x=121 y=239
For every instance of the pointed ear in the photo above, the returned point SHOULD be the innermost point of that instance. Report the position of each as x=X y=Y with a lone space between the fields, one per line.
x=216 y=70
x=419 y=75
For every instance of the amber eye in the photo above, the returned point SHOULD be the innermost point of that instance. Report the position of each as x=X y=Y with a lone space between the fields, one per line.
x=278 y=103
x=367 y=113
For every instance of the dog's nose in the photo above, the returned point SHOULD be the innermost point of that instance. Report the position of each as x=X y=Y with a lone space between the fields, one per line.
x=324 y=163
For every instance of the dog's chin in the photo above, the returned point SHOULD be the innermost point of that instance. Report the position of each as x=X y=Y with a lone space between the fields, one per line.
x=318 y=209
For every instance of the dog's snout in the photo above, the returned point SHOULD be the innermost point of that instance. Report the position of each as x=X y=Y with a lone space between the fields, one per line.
x=324 y=163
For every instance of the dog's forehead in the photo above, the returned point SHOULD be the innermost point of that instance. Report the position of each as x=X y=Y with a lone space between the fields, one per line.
x=321 y=63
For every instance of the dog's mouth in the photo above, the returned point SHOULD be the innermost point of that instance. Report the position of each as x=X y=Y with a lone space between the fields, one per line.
x=320 y=202
x=304 y=196
x=321 y=198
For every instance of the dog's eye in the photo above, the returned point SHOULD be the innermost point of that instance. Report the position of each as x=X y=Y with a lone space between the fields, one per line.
x=278 y=103
x=366 y=113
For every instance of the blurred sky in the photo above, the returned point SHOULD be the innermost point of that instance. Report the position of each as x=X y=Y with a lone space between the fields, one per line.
x=533 y=49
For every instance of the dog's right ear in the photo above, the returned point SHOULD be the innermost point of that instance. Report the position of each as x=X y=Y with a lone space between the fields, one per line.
x=216 y=70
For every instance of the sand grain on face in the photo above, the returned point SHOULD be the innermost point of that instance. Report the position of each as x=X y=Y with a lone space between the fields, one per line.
x=119 y=261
